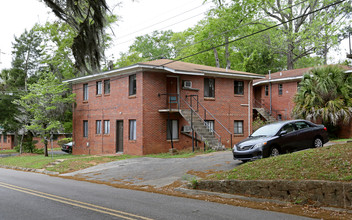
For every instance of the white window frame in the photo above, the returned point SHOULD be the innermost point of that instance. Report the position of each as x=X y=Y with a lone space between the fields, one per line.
x=85 y=92
x=106 y=127
x=85 y=128
x=238 y=127
x=98 y=126
x=132 y=130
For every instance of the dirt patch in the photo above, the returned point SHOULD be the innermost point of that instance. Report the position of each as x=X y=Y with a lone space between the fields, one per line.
x=202 y=174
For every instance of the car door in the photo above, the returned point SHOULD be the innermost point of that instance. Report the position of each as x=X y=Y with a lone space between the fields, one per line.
x=288 y=138
x=304 y=134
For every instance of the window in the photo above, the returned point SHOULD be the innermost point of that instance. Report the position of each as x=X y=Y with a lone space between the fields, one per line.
x=99 y=87
x=107 y=86
x=132 y=134
x=239 y=87
x=132 y=85
x=288 y=128
x=210 y=125
x=266 y=90
x=209 y=88
x=106 y=127
x=280 y=89
x=238 y=127
x=5 y=138
x=98 y=127
x=85 y=92
x=279 y=117
x=301 y=125
x=172 y=129
x=85 y=128
x=0 y=137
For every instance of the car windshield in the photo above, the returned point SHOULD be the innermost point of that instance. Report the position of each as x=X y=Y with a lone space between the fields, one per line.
x=267 y=130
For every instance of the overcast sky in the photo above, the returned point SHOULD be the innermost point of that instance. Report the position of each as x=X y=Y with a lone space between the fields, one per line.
x=137 y=18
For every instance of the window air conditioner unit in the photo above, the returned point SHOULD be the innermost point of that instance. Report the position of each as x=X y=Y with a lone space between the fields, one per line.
x=187 y=84
x=186 y=128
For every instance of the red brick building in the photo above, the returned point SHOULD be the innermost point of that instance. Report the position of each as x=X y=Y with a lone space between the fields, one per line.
x=151 y=107
x=276 y=95
x=6 y=141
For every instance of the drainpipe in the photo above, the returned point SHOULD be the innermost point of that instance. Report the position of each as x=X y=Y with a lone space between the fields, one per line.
x=249 y=107
x=270 y=91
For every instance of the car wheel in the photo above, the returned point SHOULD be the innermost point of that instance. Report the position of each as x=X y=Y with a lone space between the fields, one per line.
x=274 y=152
x=317 y=143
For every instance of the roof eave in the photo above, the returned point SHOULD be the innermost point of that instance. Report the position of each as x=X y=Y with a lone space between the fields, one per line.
x=287 y=79
x=140 y=67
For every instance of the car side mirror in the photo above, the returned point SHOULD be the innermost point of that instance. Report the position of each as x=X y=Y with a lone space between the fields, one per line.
x=283 y=133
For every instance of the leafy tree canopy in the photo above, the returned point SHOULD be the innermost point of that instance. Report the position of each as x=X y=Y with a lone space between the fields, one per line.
x=87 y=18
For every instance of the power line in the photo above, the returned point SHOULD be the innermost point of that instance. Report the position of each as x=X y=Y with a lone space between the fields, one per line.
x=165 y=27
x=126 y=35
x=243 y=37
x=243 y=25
x=257 y=32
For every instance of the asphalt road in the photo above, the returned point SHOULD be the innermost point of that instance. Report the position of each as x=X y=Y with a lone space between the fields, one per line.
x=25 y=195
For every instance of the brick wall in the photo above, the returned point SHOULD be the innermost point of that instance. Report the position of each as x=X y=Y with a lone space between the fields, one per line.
x=144 y=108
x=8 y=143
x=281 y=104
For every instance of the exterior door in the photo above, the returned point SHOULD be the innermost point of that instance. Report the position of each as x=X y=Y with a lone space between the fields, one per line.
x=119 y=136
x=172 y=98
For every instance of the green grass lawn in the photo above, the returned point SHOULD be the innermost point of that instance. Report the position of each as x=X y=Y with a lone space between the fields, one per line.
x=327 y=163
x=77 y=162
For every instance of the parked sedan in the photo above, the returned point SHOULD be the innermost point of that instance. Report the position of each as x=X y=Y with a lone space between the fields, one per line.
x=281 y=137
x=67 y=147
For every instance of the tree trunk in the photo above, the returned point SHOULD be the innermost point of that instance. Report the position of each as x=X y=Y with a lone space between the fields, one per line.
x=216 y=55
x=46 y=147
x=290 y=56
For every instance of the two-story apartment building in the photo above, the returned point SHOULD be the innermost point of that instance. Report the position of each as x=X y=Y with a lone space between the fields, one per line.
x=153 y=106
x=275 y=95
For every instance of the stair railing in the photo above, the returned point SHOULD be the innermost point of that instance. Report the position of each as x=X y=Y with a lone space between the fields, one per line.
x=194 y=111
x=192 y=97
x=274 y=113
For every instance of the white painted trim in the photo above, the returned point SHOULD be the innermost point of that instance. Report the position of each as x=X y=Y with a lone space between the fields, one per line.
x=277 y=80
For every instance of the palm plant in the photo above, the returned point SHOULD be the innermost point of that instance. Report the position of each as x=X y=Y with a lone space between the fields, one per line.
x=325 y=93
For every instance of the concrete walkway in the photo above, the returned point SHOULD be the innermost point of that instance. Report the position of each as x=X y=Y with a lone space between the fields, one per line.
x=155 y=171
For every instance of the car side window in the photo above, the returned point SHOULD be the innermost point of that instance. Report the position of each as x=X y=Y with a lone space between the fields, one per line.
x=288 y=128
x=301 y=125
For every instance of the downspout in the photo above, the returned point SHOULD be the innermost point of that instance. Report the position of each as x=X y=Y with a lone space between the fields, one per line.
x=270 y=91
x=249 y=107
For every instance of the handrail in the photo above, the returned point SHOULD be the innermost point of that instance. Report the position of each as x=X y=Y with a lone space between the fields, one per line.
x=194 y=111
x=212 y=116
x=263 y=105
x=206 y=111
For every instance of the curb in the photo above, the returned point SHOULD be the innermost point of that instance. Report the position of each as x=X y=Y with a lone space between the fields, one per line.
x=251 y=199
x=227 y=196
x=44 y=171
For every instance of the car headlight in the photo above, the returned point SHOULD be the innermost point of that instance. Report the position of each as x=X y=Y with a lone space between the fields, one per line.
x=259 y=145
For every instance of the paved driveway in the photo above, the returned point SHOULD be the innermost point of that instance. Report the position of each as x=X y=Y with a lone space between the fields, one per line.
x=155 y=171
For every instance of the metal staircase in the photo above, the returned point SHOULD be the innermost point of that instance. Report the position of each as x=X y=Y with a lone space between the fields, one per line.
x=199 y=126
x=269 y=118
